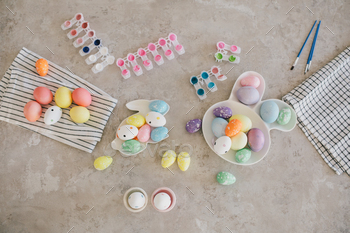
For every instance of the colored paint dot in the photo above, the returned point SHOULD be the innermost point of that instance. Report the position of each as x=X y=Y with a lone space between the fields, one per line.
x=200 y=92
x=219 y=56
x=194 y=80
x=86 y=49
x=211 y=85
x=232 y=58
x=205 y=75
x=158 y=118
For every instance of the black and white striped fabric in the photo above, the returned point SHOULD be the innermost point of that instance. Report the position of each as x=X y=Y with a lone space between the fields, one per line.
x=322 y=104
x=16 y=89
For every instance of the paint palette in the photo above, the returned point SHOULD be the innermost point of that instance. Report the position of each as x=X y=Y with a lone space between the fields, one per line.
x=152 y=49
x=90 y=35
x=223 y=49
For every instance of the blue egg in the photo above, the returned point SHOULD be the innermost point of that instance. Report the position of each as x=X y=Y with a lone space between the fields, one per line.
x=158 y=134
x=218 y=126
x=158 y=106
x=269 y=111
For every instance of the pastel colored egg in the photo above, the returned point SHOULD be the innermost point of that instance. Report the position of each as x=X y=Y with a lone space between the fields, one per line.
x=32 y=111
x=239 y=141
x=136 y=200
x=248 y=95
x=194 y=125
x=284 y=116
x=225 y=178
x=158 y=106
x=159 y=134
x=162 y=201
x=223 y=112
x=269 y=111
x=252 y=81
x=233 y=128
x=127 y=132
x=243 y=155
x=168 y=158
x=52 y=115
x=218 y=126
x=144 y=133
x=42 y=95
x=183 y=161
x=246 y=122
x=81 y=97
x=63 y=97
x=222 y=145
x=131 y=146
x=101 y=163
x=79 y=114
x=42 y=67
x=256 y=139
x=155 y=119
x=136 y=120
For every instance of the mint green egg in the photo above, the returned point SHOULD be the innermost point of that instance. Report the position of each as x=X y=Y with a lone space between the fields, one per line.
x=225 y=178
x=284 y=116
x=243 y=155
x=131 y=146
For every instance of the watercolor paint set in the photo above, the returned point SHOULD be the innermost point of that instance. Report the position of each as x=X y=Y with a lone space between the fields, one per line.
x=223 y=49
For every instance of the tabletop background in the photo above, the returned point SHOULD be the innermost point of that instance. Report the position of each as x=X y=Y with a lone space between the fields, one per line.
x=47 y=186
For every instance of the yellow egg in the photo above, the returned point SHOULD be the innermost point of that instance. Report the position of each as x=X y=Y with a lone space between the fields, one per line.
x=169 y=158
x=239 y=141
x=136 y=120
x=79 y=114
x=63 y=97
x=102 y=162
x=183 y=160
x=246 y=122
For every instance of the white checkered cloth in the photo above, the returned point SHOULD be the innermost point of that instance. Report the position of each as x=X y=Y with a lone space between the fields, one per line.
x=322 y=104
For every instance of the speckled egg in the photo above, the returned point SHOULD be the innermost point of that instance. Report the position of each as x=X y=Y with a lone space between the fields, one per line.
x=159 y=106
x=127 y=132
x=239 y=141
x=284 y=116
x=183 y=161
x=144 y=133
x=168 y=158
x=223 y=112
x=218 y=126
x=233 y=128
x=136 y=120
x=222 y=145
x=42 y=66
x=269 y=111
x=251 y=80
x=243 y=155
x=131 y=146
x=225 y=178
x=248 y=95
x=155 y=119
x=194 y=125
x=256 y=139
x=159 y=134
x=246 y=122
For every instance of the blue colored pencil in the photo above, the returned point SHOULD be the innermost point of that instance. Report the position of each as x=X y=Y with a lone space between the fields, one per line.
x=308 y=65
x=296 y=60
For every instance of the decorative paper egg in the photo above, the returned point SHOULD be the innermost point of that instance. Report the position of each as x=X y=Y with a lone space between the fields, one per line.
x=81 y=97
x=248 y=95
x=144 y=133
x=225 y=178
x=284 y=116
x=158 y=106
x=194 y=125
x=246 y=122
x=269 y=111
x=136 y=120
x=233 y=128
x=222 y=145
x=252 y=81
x=42 y=95
x=256 y=139
x=131 y=146
x=218 y=126
x=79 y=114
x=158 y=134
x=243 y=155
x=32 y=111
x=52 y=115
x=223 y=112
x=239 y=141
x=127 y=132
x=183 y=160
x=101 y=163
x=63 y=97
x=136 y=200
x=162 y=201
x=168 y=158
x=42 y=67
x=155 y=119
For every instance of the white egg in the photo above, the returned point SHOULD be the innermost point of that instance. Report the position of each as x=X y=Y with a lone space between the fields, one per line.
x=155 y=119
x=162 y=201
x=136 y=200
x=127 y=132
x=222 y=145
x=52 y=115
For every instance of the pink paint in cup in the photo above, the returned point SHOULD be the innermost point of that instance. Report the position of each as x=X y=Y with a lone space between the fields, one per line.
x=178 y=47
x=147 y=63
x=67 y=23
x=158 y=58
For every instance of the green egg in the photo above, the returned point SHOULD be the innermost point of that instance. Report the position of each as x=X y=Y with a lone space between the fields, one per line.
x=225 y=178
x=243 y=155
x=131 y=146
x=284 y=116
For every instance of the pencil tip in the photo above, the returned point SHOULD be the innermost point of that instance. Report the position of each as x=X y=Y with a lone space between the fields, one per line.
x=292 y=68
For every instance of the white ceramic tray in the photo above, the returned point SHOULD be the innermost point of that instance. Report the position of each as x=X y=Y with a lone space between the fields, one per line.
x=251 y=111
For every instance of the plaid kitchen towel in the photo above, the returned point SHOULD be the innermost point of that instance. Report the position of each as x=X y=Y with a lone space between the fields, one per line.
x=322 y=104
x=16 y=89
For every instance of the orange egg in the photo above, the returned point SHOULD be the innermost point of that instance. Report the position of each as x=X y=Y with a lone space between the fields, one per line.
x=233 y=128
x=43 y=95
x=42 y=67
x=32 y=111
x=81 y=97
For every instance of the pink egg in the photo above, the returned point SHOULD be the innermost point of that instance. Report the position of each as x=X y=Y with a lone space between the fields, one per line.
x=144 y=133
x=81 y=97
x=43 y=95
x=32 y=111
x=250 y=81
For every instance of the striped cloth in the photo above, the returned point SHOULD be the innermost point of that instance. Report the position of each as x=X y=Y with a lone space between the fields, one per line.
x=16 y=89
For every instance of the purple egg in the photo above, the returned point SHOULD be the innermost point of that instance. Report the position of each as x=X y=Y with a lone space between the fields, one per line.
x=223 y=112
x=256 y=139
x=248 y=95
x=194 y=125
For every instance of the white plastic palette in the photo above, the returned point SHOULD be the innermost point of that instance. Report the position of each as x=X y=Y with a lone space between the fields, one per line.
x=141 y=106
x=251 y=111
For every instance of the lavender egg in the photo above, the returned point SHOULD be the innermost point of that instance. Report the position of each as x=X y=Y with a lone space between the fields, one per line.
x=256 y=139
x=223 y=112
x=248 y=95
x=194 y=125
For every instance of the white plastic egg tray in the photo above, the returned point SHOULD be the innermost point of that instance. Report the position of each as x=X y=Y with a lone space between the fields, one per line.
x=223 y=48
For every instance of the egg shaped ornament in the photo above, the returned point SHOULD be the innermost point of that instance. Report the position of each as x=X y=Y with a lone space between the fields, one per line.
x=42 y=66
x=159 y=106
x=127 y=132
x=52 y=115
x=222 y=145
x=136 y=200
x=155 y=119
x=42 y=95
